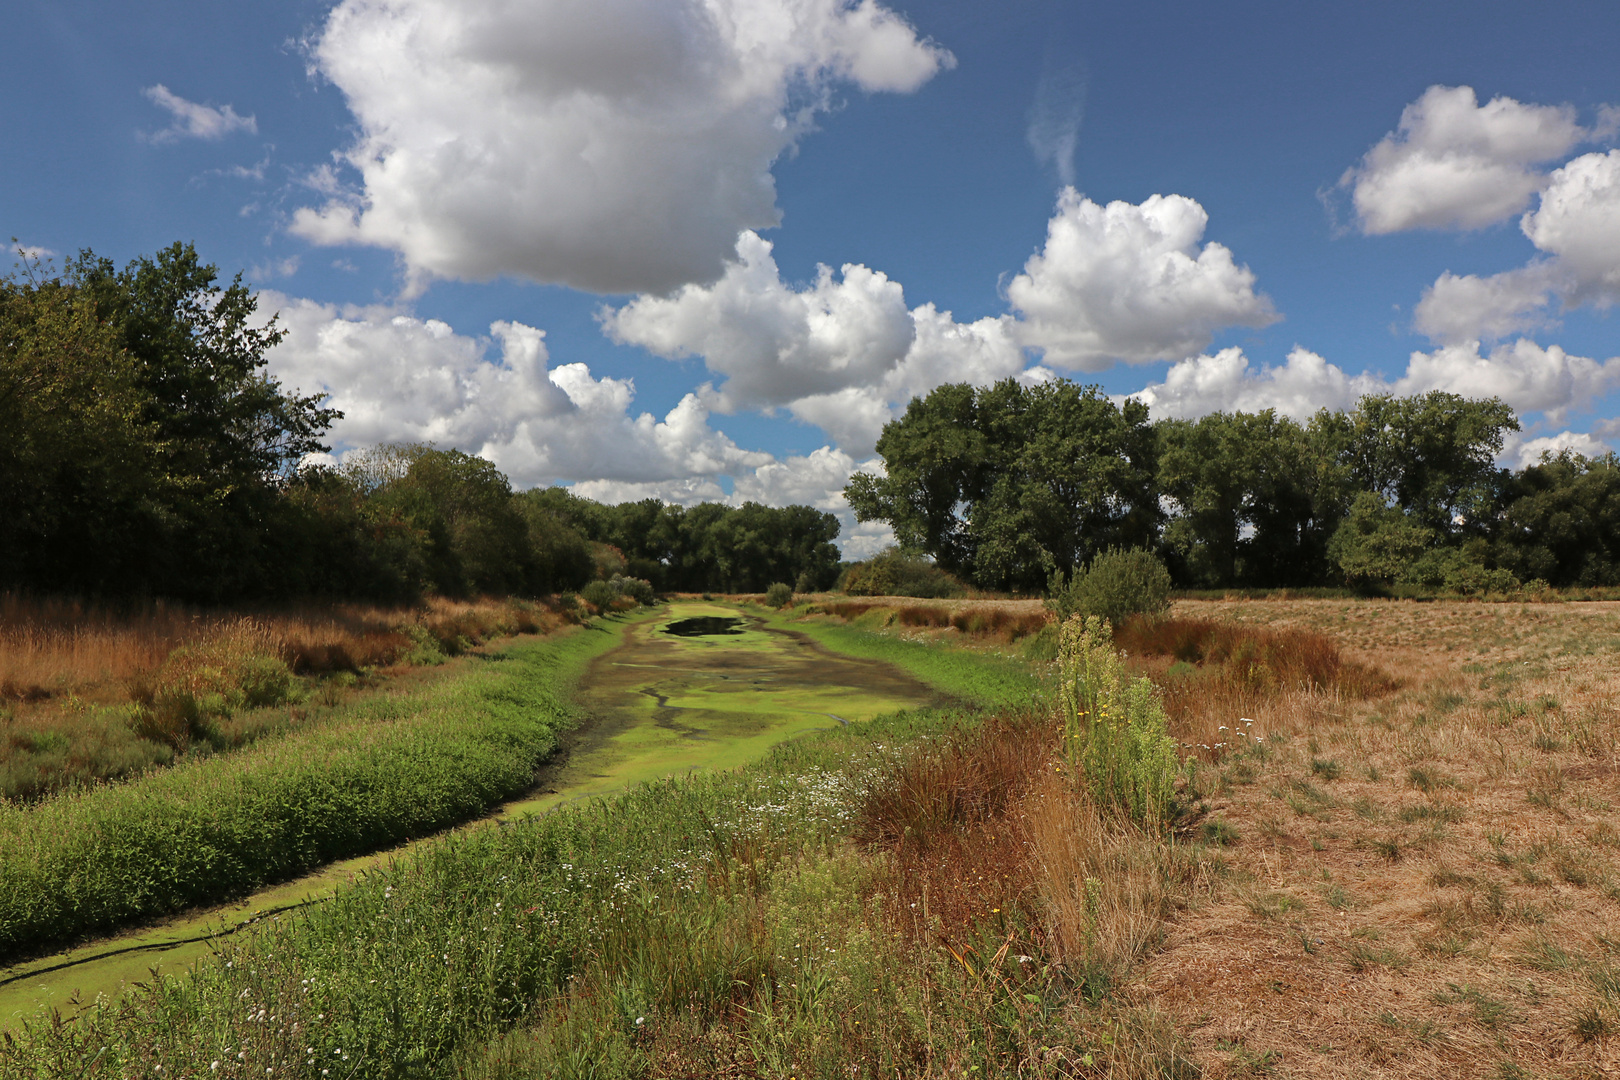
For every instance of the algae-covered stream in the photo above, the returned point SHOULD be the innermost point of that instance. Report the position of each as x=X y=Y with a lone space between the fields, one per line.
x=693 y=686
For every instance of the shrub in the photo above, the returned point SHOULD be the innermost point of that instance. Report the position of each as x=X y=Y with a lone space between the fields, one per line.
x=1117 y=584
x=894 y=573
x=599 y=594
x=779 y=595
x=638 y=589
x=1116 y=733
x=207 y=681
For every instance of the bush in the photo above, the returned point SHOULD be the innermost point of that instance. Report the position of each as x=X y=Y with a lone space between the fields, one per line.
x=894 y=573
x=1452 y=570
x=779 y=595
x=1116 y=733
x=1118 y=584
x=638 y=589
x=599 y=594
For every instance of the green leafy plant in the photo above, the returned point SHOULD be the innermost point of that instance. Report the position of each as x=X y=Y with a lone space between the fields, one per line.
x=1115 y=728
x=1117 y=584
x=779 y=595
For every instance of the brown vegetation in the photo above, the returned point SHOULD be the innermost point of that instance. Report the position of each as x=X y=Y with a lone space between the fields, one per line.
x=985 y=619
x=1422 y=883
x=91 y=692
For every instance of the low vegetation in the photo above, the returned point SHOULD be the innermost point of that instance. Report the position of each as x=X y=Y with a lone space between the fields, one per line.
x=90 y=693
x=377 y=771
x=1354 y=875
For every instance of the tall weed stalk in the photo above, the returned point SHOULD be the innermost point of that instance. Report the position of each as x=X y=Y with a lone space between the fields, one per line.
x=1115 y=729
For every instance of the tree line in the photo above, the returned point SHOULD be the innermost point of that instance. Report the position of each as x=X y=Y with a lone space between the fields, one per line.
x=1007 y=485
x=146 y=451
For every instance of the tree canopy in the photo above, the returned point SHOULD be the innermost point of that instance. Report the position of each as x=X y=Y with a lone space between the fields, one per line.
x=144 y=449
x=1004 y=485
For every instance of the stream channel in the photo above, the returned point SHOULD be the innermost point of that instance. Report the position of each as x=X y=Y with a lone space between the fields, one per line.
x=693 y=686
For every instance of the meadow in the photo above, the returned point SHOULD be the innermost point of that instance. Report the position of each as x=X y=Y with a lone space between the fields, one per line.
x=1384 y=844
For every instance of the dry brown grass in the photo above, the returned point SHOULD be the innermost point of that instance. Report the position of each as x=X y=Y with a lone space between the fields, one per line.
x=90 y=693
x=1424 y=883
x=984 y=620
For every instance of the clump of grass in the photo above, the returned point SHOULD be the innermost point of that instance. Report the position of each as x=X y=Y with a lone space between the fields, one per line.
x=1115 y=729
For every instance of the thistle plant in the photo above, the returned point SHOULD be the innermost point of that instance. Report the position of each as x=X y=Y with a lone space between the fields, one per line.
x=1115 y=731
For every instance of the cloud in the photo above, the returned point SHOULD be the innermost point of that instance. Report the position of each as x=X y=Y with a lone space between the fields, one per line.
x=843 y=353
x=1521 y=452
x=403 y=379
x=609 y=145
x=1055 y=116
x=1527 y=376
x=1530 y=378
x=1578 y=223
x=1455 y=164
x=1130 y=282
x=774 y=344
x=194 y=121
x=1469 y=307
x=1226 y=383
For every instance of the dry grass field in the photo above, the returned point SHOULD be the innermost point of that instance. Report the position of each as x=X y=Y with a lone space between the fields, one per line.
x=1424 y=882
x=1414 y=813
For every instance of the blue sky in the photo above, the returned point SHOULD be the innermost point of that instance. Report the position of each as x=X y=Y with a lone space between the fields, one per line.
x=539 y=231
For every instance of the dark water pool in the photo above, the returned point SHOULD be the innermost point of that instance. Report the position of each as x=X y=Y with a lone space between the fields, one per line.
x=704 y=626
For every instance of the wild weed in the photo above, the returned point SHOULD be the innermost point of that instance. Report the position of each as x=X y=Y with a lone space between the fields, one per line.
x=1115 y=729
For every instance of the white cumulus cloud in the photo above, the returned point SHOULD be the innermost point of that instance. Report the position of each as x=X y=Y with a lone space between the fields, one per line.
x=843 y=353
x=1459 y=308
x=399 y=378
x=190 y=120
x=1225 y=382
x=1528 y=376
x=1130 y=282
x=1578 y=223
x=772 y=343
x=1519 y=451
x=609 y=145
x=1453 y=163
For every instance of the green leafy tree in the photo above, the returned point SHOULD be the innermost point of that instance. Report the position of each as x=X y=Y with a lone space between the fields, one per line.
x=1561 y=522
x=78 y=459
x=1434 y=455
x=1378 y=542
x=224 y=434
x=1245 y=509
x=477 y=539
x=1005 y=484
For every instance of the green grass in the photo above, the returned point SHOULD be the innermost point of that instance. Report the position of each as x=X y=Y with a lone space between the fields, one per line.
x=562 y=943
x=974 y=676
x=421 y=964
x=398 y=766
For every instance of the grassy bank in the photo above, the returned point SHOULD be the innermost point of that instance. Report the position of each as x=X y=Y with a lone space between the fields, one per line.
x=986 y=679
x=89 y=694
x=602 y=938
x=393 y=767
x=750 y=923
